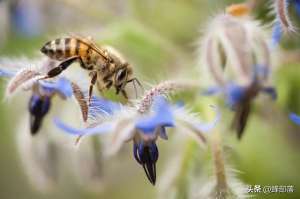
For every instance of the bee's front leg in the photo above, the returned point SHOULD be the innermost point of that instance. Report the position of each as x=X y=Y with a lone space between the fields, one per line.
x=62 y=66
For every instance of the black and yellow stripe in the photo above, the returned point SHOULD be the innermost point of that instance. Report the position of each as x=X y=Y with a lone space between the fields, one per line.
x=63 y=48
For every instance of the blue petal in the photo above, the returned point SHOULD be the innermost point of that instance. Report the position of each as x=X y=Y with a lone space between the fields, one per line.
x=260 y=72
x=209 y=126
x=276 y=34
x=163 y=133
x=270 y=91
x=235 y=94
x=100 y=106
x=163 y=116
x=63 y=86
x=297 y=7
x=295 y=118
x=6 y=73
x=212 y=91
x=100 y=129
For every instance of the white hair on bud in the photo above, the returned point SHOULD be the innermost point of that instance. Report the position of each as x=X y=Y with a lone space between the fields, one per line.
x=19 y=79
x=27 y=72
x=231 y=47
x=282 y=16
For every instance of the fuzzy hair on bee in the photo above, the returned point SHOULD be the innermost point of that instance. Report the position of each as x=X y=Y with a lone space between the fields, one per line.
x=106 y=65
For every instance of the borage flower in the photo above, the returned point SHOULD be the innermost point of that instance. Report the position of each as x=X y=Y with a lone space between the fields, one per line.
x=42 y=91
x=143 y=125
x=41 y=155
x=236 y=53
x=239 y=98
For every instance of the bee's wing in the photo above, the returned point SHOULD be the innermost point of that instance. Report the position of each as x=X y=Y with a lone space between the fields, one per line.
x=89 y=42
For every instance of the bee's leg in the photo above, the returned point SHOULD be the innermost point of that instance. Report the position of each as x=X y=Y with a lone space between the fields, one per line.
x=62 y=66
x=124 y=93
x=135 y=80
x=93 y=76
x=109 y=84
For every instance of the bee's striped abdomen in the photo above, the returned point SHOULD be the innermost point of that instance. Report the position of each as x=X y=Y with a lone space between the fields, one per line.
x=60 y=49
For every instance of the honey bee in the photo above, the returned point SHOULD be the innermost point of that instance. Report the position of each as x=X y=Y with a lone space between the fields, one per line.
x=107 y=67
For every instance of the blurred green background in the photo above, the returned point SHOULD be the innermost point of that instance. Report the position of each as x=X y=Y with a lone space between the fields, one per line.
x=159 y=38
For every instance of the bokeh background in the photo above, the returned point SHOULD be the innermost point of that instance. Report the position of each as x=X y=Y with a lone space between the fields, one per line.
x=159 y=38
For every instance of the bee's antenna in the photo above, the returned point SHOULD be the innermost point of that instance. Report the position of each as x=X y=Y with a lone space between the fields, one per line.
x=135 y=88
x=139 y=83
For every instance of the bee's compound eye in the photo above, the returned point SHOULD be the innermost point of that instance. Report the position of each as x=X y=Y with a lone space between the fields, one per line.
x=121 y=76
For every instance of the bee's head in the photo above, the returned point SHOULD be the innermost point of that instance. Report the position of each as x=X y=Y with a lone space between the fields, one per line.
x=122 y=76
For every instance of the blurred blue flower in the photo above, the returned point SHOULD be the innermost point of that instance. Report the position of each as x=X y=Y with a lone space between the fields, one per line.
x=295 y=118
x=42 y=93
x=297 y=7
x=6 y=73
x=40 y=102
x=235 y=94
x=38 y=107
x=27 y=18
x=239 y=98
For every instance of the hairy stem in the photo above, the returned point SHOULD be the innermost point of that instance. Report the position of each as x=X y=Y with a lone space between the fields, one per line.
x=219 y=166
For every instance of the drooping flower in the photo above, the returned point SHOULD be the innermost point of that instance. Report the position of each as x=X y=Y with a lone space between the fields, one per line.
x=237 y=55
x=127 y=123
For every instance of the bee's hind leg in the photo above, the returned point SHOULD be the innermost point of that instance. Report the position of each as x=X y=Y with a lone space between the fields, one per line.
x=62 y=66
x=93 y=76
